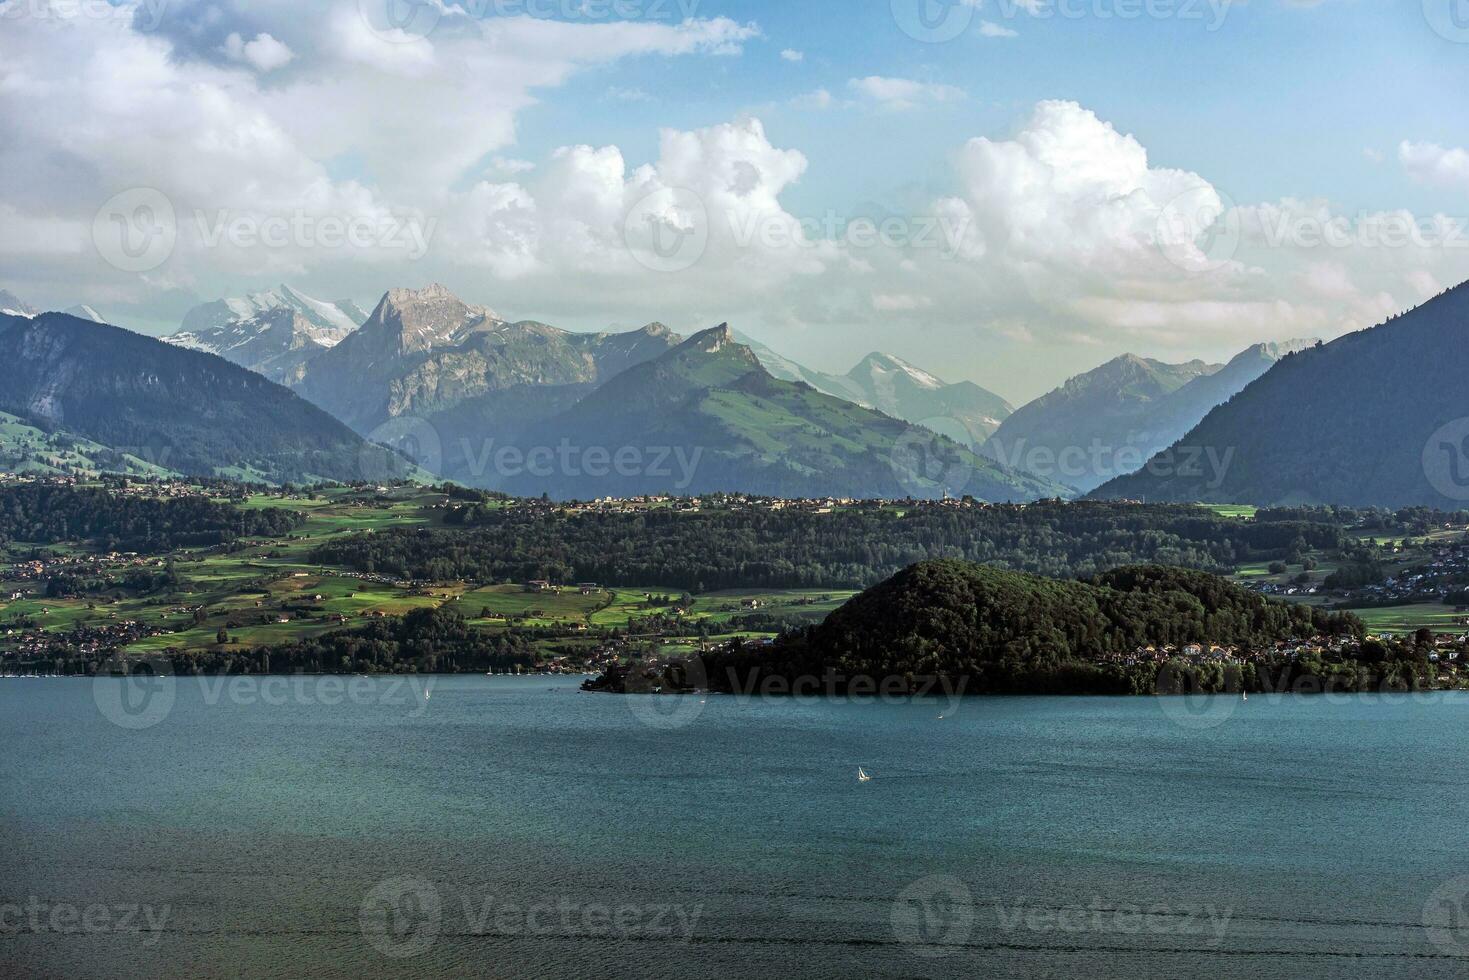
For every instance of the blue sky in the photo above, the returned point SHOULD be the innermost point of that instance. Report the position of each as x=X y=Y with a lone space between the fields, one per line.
x=1281 y=100
x=533 y=158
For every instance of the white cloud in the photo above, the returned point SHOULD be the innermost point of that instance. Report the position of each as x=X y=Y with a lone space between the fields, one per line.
x=359 y=127
x=819 y=99
x=1433 y=164
x=988 y=28
x=901 y=93
x=265 y=53
x=792 y=55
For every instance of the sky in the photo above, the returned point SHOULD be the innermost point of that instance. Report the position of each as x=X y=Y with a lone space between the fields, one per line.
x=1009 y=192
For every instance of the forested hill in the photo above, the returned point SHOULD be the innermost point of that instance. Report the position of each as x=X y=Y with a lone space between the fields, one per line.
x=1008 y=632
x=854 y=548
x=179 y=409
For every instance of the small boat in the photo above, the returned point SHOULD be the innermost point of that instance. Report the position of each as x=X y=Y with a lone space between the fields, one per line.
x=862 y=776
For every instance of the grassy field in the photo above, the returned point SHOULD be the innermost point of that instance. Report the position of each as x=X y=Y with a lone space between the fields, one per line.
x=270 y=593
x=1242 y=512
x=1410 y=619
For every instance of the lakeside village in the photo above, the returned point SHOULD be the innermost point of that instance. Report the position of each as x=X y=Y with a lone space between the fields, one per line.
x=35 y=637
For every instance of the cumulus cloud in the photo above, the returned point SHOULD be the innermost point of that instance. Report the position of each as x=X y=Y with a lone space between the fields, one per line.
x=792 y=55
x=1434 y=164
x=274 y=110
x=265 y=53
x=1060 y=232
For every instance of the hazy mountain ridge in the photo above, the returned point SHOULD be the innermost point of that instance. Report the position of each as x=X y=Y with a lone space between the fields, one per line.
x=1377 y=417
x=1112 y=419
x=963 y=411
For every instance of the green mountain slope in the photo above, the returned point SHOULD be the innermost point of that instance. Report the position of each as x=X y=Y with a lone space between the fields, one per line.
x=46 y=451
x=1377 y=417
x=177 y=409
x=727 y=424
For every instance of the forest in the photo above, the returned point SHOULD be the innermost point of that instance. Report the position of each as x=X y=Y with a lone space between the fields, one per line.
x=46 y=513
x=727 y=548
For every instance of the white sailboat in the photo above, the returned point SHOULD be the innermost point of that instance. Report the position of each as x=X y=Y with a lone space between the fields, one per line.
x=862 y=776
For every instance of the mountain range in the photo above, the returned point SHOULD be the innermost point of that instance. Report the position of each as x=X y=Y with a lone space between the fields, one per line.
x=708 y=416
x=1378 y=417
x=275 y=333
x=965 y=411
x=13 y=305
x=180 y=410
x=1111 y=420
x=458 y=387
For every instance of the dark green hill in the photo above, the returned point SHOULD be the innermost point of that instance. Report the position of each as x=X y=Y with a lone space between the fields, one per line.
x=1375 y=418
x=178 y=409
x=1012 y=632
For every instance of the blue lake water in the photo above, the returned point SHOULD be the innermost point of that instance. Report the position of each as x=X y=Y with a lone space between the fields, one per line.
x=515 y=827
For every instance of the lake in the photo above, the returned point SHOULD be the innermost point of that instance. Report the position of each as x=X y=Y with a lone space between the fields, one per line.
x=509 y=827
